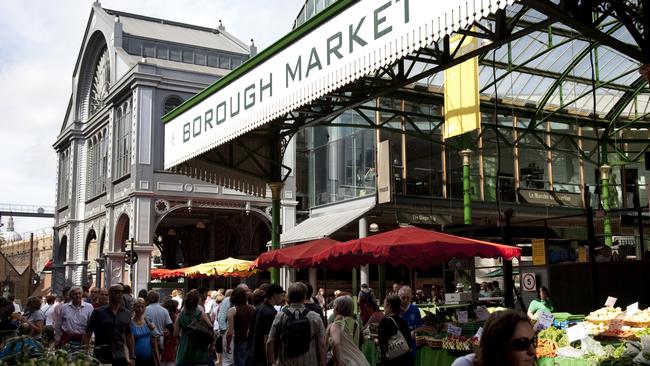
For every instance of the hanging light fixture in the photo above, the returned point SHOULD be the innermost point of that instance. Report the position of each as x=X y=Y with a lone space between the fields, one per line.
x=200 y=225
x=171 y=231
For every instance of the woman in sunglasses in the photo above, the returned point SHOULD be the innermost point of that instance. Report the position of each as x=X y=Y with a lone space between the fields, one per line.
x=508 y=339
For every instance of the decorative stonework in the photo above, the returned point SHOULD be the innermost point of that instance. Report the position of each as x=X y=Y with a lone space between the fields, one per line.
x=101 y=82
x=161 y=206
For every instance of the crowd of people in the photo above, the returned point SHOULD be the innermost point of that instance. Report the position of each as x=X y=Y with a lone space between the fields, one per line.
x=243 y=326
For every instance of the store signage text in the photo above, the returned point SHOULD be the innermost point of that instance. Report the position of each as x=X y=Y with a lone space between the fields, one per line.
x=362 y=38
x=335 y=47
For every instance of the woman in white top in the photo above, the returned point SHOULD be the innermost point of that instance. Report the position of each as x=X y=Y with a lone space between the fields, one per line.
x=48 y=309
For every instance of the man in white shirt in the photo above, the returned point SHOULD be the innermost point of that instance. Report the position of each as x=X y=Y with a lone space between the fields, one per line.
x=73 y=320
x=159 y=316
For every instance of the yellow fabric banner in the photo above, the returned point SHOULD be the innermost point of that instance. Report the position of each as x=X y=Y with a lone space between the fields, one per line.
x=462 y=108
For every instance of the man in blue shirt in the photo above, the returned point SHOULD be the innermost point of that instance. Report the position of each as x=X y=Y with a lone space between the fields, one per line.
x=410 y=314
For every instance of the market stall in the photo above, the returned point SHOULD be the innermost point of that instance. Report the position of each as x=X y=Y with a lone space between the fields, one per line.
x=607 y=336
x=411 y=247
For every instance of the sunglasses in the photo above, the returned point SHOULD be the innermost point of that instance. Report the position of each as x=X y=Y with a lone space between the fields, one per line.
x=523 y=344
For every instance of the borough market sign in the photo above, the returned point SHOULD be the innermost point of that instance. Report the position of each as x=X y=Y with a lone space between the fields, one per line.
x=365 y=36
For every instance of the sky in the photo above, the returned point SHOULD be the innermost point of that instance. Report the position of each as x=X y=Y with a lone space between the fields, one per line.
x=39 y=44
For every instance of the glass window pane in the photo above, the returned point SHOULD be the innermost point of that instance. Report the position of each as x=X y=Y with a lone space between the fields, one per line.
x=236 y=61
x=162 y=52
x=175 y=54
x=188 y=56
x=224 y=62
x=213 y=60
x=149 y=49
x=199 y=57
x=135 y=47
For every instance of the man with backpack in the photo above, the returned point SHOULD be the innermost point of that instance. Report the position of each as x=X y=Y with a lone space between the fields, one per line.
x=297 y=336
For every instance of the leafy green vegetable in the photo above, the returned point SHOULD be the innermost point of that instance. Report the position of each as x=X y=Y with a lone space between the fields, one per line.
x=556 y=335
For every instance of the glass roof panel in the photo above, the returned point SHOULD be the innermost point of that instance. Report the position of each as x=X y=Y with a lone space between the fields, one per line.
x=537 y=60
x=638 y=108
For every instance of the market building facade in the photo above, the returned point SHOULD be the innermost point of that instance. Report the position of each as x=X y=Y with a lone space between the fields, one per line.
x=113 y=194
x=553 y=129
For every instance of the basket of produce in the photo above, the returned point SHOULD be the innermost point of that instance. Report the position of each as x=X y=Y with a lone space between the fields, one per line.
x=434 y=342
x=604 y=315
x=638 y=320
x=456 y=343
x=619 y=334
x=429 y=341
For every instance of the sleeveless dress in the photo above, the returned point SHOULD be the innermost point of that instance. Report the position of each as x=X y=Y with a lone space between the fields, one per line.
x=348 y=351
x=142 y=338
x=192 y=348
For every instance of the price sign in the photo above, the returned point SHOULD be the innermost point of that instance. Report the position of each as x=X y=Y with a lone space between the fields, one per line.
x=632 y=309
x=611 y=301
x=576 y=333
x=528 y=282
x=479 y=333
x=615 y=324
x=481 y=313
x=454 y=330
x=462 y=316
x=544 y=320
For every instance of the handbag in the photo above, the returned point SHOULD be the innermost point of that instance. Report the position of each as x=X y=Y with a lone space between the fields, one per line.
x=200 y=328
x=397 y=344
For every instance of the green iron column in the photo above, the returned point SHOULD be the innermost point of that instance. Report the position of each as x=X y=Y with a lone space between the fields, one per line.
x=467 y=195
x=276 y=195
x=604 y=198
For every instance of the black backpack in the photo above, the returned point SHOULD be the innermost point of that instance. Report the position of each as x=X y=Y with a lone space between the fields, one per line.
x=296 y=334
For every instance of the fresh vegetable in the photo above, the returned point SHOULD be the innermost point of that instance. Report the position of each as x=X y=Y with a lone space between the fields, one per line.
x=556 y=335
x=546 y=348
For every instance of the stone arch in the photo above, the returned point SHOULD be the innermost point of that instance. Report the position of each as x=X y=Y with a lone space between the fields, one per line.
x=90 y=253
x=102 y=243
x=62 y=252
x=121 y=232
x=94 y=51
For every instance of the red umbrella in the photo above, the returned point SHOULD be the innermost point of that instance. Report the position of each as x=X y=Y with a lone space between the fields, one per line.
x=412 y=247
x=162 y=273
x=297 y=256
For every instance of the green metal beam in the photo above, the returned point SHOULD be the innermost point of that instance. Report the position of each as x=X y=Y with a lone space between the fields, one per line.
x=545 y=73
x=622 y=103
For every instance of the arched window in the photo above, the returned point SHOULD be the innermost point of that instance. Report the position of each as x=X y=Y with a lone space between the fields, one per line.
x=96 y=167
x=64 y=178
x=100 y=82
x=123 y=140
x=171 y=103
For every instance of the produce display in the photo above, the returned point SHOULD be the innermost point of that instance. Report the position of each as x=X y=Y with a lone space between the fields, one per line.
x=604 y=315
x=625 y=341
x=640 y=319
x=459 y=343
x=557 y=336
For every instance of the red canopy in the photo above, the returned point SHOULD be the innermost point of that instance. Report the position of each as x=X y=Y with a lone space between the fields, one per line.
x=412 y=247
x=297 y=256
x=162 y=273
